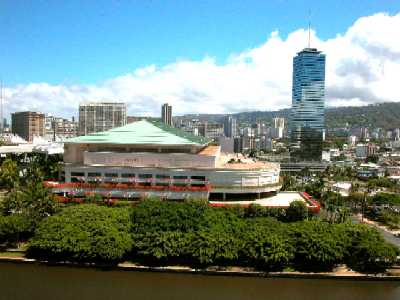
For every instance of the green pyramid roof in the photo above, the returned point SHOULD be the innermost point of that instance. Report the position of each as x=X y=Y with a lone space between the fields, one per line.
x=142 y=132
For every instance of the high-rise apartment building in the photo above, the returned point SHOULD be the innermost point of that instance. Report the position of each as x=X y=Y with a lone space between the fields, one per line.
x=166 y=114
x=308 y=101
x=278 y=129
x=230 y=127
x=28 y=124
x=101 y=116
x=279 y=122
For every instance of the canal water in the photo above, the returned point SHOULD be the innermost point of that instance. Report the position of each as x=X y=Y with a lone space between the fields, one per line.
x=31 y=281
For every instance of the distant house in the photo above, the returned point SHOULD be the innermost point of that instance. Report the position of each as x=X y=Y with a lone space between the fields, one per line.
x=342 y=187
x=370 y=170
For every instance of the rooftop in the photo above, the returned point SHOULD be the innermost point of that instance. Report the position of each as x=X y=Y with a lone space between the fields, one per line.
x=143 y=132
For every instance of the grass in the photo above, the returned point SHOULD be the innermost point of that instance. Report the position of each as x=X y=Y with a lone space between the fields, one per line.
x=12 y=254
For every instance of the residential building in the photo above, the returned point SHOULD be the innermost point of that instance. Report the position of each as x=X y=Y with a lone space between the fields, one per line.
x=101 y=116
x=370 y=170
x=365 y=150
x=278 y=128
x=28 y=124
x=278 y=122
x=59 y=129
x=210 y=130
x=308 y=100
x=166 y=114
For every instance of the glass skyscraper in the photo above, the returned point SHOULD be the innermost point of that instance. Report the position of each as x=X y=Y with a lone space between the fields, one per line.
x=308 y=101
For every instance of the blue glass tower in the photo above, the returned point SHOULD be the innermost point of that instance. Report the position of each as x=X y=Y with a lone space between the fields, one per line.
x=308 y=104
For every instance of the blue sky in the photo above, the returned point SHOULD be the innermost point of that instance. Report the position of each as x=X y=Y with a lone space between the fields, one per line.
x=87 y=42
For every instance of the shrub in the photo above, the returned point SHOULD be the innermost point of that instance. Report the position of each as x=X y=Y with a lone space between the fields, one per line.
x=15 y=228
x=83 y=233
x=297 y=211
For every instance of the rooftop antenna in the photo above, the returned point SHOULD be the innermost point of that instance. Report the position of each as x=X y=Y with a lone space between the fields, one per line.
x=309 y=28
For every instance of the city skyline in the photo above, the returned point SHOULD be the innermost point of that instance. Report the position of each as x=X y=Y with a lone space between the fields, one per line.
x=254 y=75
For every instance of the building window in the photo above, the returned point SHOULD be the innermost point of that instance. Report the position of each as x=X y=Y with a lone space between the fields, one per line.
x=180 y=180
x=79 y=174
x=145 y=176
x=162 y=180
x=199 y=178
x=113 y=175
x=198 y=181
x=94 y=174
x=145 y=179
x=128 y=175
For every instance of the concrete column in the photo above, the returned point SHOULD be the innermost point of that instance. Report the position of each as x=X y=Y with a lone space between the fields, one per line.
x=223 y=196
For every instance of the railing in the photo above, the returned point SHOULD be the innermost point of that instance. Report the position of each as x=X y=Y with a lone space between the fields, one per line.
x=241 y=186
x=126 y=186
x=314 y=206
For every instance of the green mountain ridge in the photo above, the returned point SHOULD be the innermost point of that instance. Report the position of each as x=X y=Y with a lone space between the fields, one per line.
x=383 y=115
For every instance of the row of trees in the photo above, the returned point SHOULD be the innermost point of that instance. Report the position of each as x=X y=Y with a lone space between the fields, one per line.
x=194 y=234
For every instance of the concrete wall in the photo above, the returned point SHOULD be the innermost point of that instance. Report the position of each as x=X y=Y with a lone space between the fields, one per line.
x=160 y=160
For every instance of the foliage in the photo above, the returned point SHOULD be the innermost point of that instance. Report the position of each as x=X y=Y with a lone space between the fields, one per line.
x=192 y=233
x=318 y=245
x=15 y=228
x=297 y=211
x=385 y=198
x=386 y=216
x=9 y=177
x=266 y=245
x=84 y=233
x=368 y=252
x=33 y=200
x=372 y=159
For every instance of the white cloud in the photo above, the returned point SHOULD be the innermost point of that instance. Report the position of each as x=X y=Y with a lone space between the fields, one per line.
x=363 y=66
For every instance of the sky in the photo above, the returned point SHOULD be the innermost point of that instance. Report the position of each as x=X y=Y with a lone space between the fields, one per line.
x=200 y=56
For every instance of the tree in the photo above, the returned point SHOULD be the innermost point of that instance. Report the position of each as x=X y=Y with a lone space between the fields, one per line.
x=297 y=211
x=319 y=246
x=14 y=229
x=368 y=251
x=9 y=176
x=83 y=233
x=33 y=200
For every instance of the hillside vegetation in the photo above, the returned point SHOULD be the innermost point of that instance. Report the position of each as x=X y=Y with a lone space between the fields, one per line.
x=384 y=115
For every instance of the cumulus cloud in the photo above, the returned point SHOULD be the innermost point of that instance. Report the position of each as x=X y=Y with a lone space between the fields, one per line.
x=363 y=66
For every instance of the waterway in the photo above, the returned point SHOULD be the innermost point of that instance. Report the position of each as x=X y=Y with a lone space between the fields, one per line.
x=33 y=281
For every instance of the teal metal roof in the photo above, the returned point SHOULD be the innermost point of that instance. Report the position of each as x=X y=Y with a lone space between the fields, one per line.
x=142 y=132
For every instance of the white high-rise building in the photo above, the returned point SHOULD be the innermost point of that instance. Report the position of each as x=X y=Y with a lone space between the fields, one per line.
x=278 y=129
x=101 y=116
x=166 y=114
